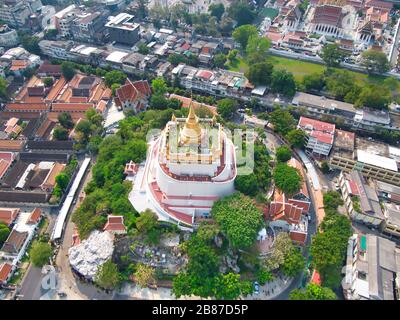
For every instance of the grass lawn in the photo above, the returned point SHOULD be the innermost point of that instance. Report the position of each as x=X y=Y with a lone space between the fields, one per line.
x=269 y=12
x=301 y=68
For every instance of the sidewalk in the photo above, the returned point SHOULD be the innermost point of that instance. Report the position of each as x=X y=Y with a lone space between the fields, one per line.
x=272 y=289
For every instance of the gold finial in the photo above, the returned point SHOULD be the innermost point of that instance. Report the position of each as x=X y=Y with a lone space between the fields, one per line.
x=214 y=119
x=191 y=118
x=173 y=118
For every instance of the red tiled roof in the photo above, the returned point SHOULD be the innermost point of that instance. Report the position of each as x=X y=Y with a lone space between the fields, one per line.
x=27 y=107
x=115 y=223
x=328 y=14
x=322 y=136
x=5 y=270
x=127 y=92
x=317 y=125
x=50 y=69
x=35 y=216
x=205 y=74
x=299 y=237
x=8 y=215
x=143 y=87
x=18 y=65
x=72 y=107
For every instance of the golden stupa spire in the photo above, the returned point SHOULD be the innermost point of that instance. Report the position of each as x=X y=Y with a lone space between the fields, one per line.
x=191 y=132
x=173 y=118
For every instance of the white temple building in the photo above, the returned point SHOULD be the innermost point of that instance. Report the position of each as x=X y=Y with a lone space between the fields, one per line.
x=189 y=167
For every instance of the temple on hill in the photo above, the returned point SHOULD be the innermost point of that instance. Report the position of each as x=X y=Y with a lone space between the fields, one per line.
x=189 y=166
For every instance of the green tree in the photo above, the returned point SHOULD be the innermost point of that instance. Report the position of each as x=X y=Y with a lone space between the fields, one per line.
x=40 y=253
x=325 y=167
x=227 y=108
x=216 y=10
x=247 y=184
x=239 y=219
x=158 y=101
x=332 y=55
x=282 y=121
x=62 y=180
x=228 y=286
x=340 y=83
x=30 y=43
x=107 y=275
x=375 y=61
x=144 y=275
x=65 y=120
x=260 y=73
x=373 y=96
x=48 y=82
x=283 y=82
x=4 y=232
x=332 y=199
x=114 y=76
x=283 y=153
x=243 y=33
x=313 y=292
x=3 y=87
x=159 y=86
x=232 y=55
x=220 y=60
x=147 y=221
x=60 y=133
x=242 y=12
x=294 y=263
x=314 y=81
x=68 y=70
x=143 y=48
x=264 y=276
x=296 y=137
x=114 y=88
x=287 y=178
x=257 y=49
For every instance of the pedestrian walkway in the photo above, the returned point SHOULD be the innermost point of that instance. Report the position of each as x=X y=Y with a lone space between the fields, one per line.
x=272 y=289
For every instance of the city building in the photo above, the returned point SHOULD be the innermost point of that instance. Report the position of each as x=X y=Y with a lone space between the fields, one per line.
x=392 y=223
x=122 y=29
x=372 y=269
x=373 y=160
x=189 y=166
x=133 y=95
x=17 y=12
x=360 y=199
x=8 y=37
x=285 y=216
x=320 y=136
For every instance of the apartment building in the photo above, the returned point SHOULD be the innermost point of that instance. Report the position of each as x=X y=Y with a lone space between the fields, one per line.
x=320 y=136
x=122 y=29
x=360 y=199
x=372 y=270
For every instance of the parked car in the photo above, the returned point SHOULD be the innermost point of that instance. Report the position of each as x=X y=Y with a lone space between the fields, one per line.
x=256 y=287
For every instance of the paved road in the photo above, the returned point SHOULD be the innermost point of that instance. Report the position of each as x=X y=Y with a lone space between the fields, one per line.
x=31 y=287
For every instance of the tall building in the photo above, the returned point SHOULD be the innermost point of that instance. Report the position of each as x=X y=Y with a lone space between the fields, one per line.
x=122 y=29
x=372 y=269
x=16 y=12
x=189 y=166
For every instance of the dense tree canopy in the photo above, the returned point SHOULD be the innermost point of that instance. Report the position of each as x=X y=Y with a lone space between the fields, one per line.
x=257 y=49
x=107 y=275
x=282 y=120
x=216 y=10
x=296 y=137
x=4 y=232
x=144 y=275
x=115 y=76
x=332 y=55
x=40 y=253
x=65 y=120
x=283 y=82
x=239 y=218
x=283 y=153
x=243 y=33
x=241 y=12
x=314 y=81
x=375 y=61
x=260 y=73
x=227 y=108
x=68 y=70
x=313 y=292
x=287 y=178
